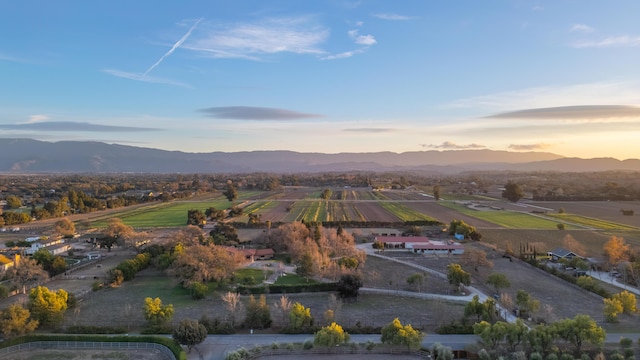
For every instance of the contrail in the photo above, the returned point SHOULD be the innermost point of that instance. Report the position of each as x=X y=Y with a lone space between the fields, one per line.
x=173 y=48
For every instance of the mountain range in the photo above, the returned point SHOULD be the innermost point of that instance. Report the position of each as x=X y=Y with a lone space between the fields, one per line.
x=33 y=156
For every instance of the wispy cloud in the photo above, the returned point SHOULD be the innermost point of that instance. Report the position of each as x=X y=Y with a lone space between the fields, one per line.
x=174 y=47
x=391 y=16
x=298 y=35
x=618 y=93
x=367 y=40
x=344 y=55
x=616 y=41
x=144 y=78
x=582 y=112
x=521 y=147
x=537 y=8
x=581 y=28
x=255 y=113
x=72 y=126
x=5 y=57
x=370 y=130
x=450 y=145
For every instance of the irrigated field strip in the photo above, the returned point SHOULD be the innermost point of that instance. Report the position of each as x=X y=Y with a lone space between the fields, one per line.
x=405 y=213
x=590 y=222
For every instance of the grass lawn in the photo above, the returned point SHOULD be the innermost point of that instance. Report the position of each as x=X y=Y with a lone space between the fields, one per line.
x=245 y=276
x=293 y=279
x=507 y=219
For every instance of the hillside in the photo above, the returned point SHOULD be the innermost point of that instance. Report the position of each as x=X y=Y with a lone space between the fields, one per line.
x=30 y=156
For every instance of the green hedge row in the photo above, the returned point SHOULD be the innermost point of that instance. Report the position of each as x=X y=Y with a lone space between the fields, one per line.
x=286 y=289
x=175 y=348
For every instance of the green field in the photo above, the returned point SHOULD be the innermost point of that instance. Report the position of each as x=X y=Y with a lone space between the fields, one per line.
x=590 y=222
x=164 y=215
x=507 y=219
x=404 y=213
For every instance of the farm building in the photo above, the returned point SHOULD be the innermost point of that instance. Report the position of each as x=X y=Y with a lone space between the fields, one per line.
x=41 y=244
x=560 y=253
x=421 y=244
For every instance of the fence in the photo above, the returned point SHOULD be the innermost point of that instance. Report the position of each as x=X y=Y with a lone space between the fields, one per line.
x=162 y=351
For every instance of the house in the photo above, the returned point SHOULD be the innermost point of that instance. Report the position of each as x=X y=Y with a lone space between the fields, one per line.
x=258 y=254
x=421 y=244
x=561 y=253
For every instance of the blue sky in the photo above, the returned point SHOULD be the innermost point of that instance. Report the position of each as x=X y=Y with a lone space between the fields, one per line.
x=325 y=76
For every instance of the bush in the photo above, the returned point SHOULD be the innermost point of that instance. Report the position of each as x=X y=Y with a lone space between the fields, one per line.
x=198 y=290
x=535 y=356
x=308 y=345
x=626 y=343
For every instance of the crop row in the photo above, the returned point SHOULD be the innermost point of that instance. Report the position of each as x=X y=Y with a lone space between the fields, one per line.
x=405 y=213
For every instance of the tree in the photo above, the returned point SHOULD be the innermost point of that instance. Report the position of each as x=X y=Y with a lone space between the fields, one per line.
x=115 y=233
x=348 y=286
x=282 y=308
x=516 y=333
x=330 y=336
x=397 y=334
x=156 y=313
x=305 y=268
x=54 y=265
x=580 y=330
x=490 y=334
x=65 y=227
x=233 y=305
x=300 y=317
x=326 y=194
x=436 y=192
x=512 y=192
x=616 y=250
x=48 y=306
x=457 y=276
x=416 y=280
x=26 y=273
x=13 y=202
x=190 y=333
x=498 y=281
x=231 y=193
x=474 y=308
x=475 y=258
x=16 y=321
x=258 y=314
x=612 y=308
x=627 y=300
x=526 y=303
x=196 y=217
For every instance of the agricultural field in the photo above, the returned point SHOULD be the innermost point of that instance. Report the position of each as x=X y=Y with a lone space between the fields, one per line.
x=507 y=219
x=591 y=223
x=172 y=214
x=445 y=215
x=604 y=210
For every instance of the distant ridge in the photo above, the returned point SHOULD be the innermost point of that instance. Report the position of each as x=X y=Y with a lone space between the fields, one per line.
x=33 y=156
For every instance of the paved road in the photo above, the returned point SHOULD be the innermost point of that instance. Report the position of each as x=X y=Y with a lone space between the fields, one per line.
x=215 y=347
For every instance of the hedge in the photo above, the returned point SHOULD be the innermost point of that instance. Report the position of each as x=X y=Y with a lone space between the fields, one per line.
x=287 y=289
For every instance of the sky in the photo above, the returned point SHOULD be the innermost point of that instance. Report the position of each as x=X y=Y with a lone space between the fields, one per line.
x=559 y=76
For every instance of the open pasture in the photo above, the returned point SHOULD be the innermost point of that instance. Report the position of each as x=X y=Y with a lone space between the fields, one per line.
x=545 y=240
x=591 y=223
x=507 y=219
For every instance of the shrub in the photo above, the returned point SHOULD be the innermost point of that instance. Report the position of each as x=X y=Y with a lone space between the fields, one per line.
x=308 y=345
x=198 y=290
x=535 y=356
x=626 y=343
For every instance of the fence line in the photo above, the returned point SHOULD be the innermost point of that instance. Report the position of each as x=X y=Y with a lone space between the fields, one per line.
x=162 y=351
